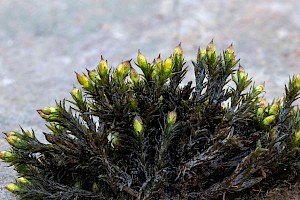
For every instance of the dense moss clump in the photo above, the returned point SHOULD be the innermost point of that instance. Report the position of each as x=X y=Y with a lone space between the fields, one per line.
x=126 y=135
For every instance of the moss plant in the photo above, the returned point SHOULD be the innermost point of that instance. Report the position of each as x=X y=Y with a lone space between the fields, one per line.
x=126 y=135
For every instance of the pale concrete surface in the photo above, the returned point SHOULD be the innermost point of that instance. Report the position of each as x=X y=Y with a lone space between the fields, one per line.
x=42 y=43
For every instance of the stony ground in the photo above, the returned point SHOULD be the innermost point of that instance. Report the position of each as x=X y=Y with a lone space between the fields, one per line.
x=42 y=44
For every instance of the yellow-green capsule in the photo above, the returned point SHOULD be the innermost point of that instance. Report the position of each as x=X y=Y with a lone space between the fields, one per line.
x=83 y=80
x=168 y=66
x=94 y=76
x=138 y=124
x=297 y=136
x=171 y=118
x=76 y=94
x=241 y=74
x=2 y=155
x=14 y=141
x=211 y=50
x=103 y=67
x=48 y=110
x=134 y=76
x=158 y=65
x=22 y=180
x=263 y=103
x=158 y=60
x=268 y=120
x=274 y=108
x=178 y=51
x=258 y=89
x=12 y=187
x=229 y=53
x=123 y=69
x=127 y=65
x=297 y=81
x=200 y=54
x=141 y=60
x=6 y=156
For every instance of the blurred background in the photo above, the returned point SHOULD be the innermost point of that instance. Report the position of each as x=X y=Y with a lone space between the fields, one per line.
x=42 y=43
